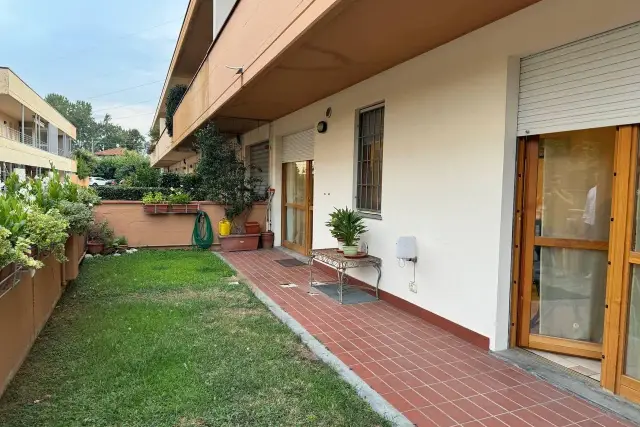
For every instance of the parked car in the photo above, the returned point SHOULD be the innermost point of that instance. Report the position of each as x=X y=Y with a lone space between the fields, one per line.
x=96 y=181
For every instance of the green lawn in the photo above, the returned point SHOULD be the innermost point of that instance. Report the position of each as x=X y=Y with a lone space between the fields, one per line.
x=163 y=339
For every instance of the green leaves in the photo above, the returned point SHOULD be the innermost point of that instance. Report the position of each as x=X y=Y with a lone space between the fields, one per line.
x=346 y=225
x=223 y=174
x=48 y=232
x=174 y=97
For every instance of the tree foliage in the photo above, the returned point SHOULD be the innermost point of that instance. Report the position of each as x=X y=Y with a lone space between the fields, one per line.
x=174 y=97
x=96 y=135
x=224 y=176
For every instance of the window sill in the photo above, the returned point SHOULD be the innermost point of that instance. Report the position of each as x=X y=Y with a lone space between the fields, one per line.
x=370 y=215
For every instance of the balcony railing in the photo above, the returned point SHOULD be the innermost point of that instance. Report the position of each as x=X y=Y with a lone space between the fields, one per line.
x=16 y=135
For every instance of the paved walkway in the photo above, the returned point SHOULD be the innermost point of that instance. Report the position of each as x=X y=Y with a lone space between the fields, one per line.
x=428 y=374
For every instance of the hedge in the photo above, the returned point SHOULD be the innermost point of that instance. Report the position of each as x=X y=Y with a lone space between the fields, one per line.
x=109 y=192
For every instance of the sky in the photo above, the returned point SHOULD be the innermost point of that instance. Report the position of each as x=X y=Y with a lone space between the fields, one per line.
x=89 y=49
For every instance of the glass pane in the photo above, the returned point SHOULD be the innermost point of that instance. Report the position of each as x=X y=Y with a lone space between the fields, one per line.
x=568 y=295
x=632 y=362
x=295 y=226
x=296 y=188
x=574 y=184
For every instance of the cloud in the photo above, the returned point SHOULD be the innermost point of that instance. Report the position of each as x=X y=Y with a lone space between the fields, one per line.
x=129 y=117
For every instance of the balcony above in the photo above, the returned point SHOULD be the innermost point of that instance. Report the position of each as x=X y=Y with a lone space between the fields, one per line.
x=293 y=53
x=23 y=149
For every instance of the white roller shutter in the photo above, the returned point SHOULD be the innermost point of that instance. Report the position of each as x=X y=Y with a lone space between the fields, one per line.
x=298 y=146
x=259 y=160
x=590 y=83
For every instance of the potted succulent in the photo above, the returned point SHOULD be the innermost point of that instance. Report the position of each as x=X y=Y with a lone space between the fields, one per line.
x=154 y=203
x=347 y=226
x=99 y=237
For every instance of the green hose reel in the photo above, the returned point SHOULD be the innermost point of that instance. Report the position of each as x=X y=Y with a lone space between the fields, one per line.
x=202 y=231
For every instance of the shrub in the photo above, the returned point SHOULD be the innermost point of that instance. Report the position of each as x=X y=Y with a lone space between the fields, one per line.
x=153 y=198
x=18 y=253
x=224 y=176
x=144 y=176
x=48 y=232
x=174 y=97
x=124 y=193
x=178 y=197
x=170 y=180
x=79 y=216
x=88 y=196
x=85 y=163
x=101 y=232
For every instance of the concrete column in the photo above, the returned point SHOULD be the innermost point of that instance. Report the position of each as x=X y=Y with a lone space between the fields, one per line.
x=22 y=138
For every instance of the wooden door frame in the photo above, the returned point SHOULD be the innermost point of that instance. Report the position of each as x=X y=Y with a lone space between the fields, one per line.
x=620 y=255
x=307 y=207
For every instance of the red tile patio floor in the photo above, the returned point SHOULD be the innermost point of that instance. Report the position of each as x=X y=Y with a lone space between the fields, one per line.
x=433 y=377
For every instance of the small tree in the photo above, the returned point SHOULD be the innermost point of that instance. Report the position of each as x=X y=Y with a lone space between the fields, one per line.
x=224 y=176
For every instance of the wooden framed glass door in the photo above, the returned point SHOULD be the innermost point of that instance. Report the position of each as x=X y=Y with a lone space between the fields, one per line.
x=567 y=200
x=625 y=298
x=297 y=206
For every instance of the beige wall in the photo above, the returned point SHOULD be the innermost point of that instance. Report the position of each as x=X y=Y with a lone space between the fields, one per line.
x=164 y=230
x=449 y=159
x=186 y=166
x=19 y=90
x=274 y=25
x=10 y=121
x=22 y=154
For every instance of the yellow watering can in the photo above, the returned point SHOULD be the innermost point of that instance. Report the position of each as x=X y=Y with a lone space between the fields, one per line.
x=224 y=227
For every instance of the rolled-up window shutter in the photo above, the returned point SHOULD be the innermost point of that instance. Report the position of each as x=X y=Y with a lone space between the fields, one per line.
x=298 y=147
x=594 y=82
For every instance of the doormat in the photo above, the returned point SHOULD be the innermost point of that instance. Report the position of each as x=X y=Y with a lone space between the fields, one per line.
x=290 y=262
x=349 y=295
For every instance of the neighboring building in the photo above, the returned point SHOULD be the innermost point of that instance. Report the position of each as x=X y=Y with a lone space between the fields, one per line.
x=502 y=134
x=112 y=152
x=33 y=134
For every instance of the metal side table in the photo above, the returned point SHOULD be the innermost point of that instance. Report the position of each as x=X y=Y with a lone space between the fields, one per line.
x=333 y=258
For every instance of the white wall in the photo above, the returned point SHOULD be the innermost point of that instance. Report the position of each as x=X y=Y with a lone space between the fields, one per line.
x=449 y=159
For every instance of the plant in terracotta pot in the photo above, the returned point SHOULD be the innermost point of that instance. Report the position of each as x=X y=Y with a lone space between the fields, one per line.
x=100 y=235
x=155 y=203
x=226 y=180
x=347 y=226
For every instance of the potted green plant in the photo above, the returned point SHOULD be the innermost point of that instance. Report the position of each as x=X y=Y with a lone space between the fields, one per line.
x=225 y=179
x=180 y=202
x=334 y=218
x=155 y=203
x=100 y=235
x=347 y=226
x=120 y=244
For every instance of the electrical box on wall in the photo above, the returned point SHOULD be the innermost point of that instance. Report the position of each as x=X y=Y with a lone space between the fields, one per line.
x=406 y=248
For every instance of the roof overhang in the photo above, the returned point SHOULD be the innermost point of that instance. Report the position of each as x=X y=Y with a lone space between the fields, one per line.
x=352 y=42
x=194 y=40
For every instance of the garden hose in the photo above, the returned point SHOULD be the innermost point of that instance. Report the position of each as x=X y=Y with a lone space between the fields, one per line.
x=202 y=231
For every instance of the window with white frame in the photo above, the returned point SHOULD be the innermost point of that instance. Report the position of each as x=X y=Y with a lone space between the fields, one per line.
x=370 y=136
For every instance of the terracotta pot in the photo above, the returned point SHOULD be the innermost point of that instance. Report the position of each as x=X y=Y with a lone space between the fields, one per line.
x=252 y=227
x=190 y=208
x=267 y=239
x=239 y=242
x=156 y=208
x=95 y=248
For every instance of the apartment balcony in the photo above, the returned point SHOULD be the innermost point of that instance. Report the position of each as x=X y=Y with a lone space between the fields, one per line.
x=273 y=58
x=24 y=149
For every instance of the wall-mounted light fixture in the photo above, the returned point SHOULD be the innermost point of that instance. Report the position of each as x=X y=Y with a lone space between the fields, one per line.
x=322 y=127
